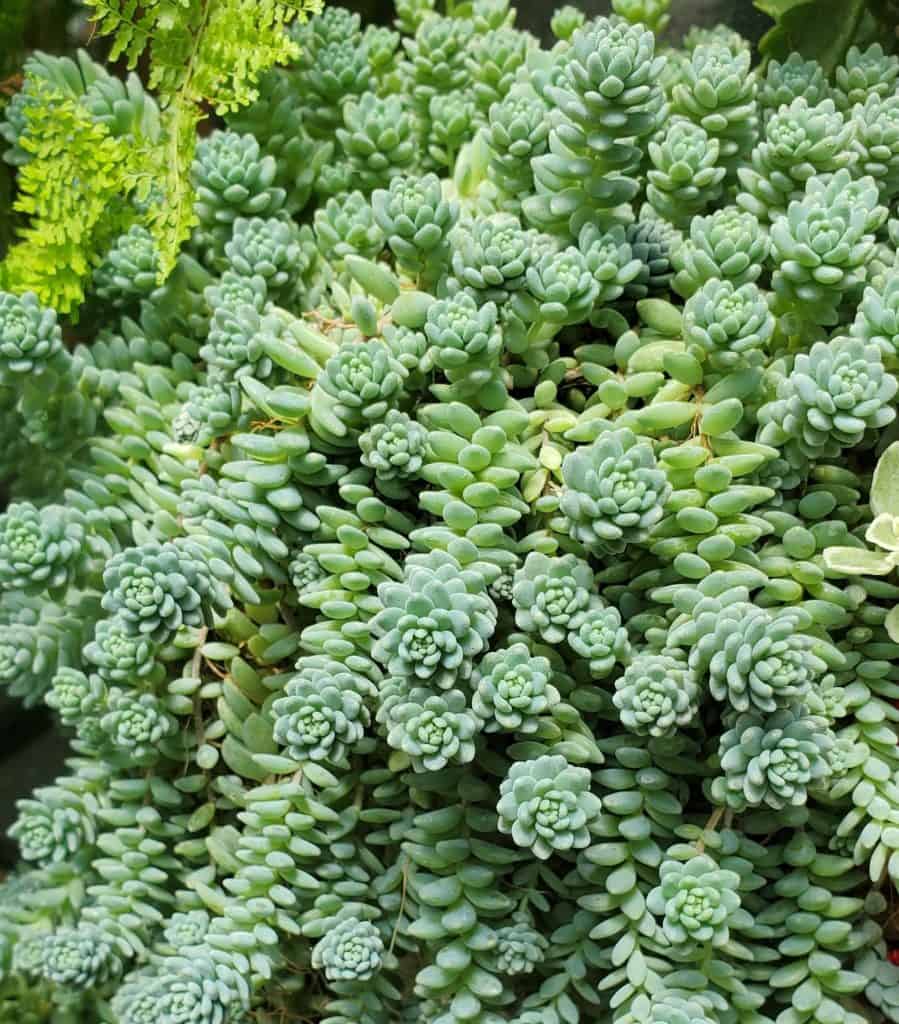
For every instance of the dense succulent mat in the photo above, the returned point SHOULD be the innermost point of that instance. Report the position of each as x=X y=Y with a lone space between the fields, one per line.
x=468 y=579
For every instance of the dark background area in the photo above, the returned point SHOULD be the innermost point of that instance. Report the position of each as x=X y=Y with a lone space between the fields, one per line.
x=31 y=750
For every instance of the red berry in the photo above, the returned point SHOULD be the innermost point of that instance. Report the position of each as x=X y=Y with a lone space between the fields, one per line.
x=893 y=956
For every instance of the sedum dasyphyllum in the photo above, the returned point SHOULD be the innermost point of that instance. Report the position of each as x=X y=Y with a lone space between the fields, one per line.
x=467 y=581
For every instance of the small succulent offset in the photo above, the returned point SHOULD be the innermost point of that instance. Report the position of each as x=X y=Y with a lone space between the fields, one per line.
x=30 y=337
x=772 y=760
x=697 y=900
x=601 y=639
x=519 y=948
x=551 y=595
x=614 y=491
x=656 y=695
x=135 y=725
x=466 y=572
x=546 y=805
x=351 y=951
x=513 y=689
x=322 y=713
x=119 y=654
x=395 y=448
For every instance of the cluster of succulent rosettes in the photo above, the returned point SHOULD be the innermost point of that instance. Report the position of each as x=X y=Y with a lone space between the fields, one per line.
x=657 y=694
x=830 y=397
x=322 y=713
x=352 y=951
x=526 y=402
x=614 y=491
x=697 y=901
x=546 y=805
x=512 y=688
x=40 y=549
x=773 y=760
x=434 y=623
x=155 y=589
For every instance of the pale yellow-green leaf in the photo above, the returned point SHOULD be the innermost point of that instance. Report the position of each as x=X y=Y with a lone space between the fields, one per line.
x=883 y=532
x=885 y=485
x=857 y=562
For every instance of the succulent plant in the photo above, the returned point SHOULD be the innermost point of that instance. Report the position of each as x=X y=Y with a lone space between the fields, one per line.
x=456 y=523
x=512 y=689
x=352 y=951
x=434 y=623
x=322 y=713
x=614 y=491
x=551 y=595
x=772 y=760
x=697 y=898
x=546 y=805
x=656 y=695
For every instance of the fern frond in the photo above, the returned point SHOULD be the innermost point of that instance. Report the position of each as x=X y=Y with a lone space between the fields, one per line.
x=171 y=218
x=74 y=190
x=202 y=53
